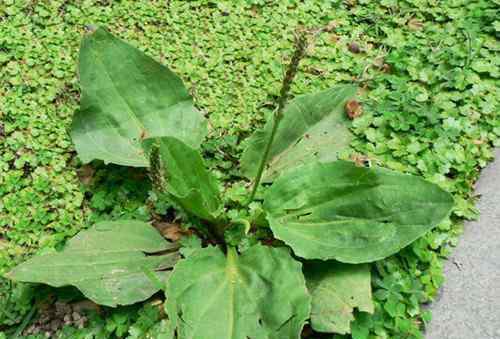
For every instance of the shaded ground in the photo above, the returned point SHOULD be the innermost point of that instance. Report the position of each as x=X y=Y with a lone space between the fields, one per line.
x=470 y=299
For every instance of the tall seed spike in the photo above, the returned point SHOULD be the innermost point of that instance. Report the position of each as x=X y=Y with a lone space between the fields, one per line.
x=156 y=171
x=300 y=48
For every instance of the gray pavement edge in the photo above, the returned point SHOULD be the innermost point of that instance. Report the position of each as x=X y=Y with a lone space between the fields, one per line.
x=468 y=306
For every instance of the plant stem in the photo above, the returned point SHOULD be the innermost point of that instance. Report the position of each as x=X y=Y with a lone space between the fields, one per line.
x=300 y=51
x=25 y=322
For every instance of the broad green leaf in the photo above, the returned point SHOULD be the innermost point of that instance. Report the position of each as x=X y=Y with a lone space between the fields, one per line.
x=259 y=294
x=127 y=97
x=188 y=180
x=109 y=263
x=352 y=214
x=336 y=289
x=314 y=127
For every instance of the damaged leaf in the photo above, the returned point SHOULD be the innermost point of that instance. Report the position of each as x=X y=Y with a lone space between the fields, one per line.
x=128 y=97
x=313 y=128
x=353 y=214
x=258 y=294
x=108 y=263
x=337 y=289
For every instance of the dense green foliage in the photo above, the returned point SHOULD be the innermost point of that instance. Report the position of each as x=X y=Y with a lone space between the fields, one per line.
x=430 y=75
x=322 y=210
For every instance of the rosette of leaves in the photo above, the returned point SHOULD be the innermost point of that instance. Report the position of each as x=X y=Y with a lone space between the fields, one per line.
x=332 y=216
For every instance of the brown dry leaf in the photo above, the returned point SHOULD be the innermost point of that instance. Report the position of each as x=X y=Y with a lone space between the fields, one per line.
x=378 y=62
x=86 y=174
x=144 y=134
x=415 y=24
x=353 y=109
x=331 y=26
x=333 y=38
x=170 y=231
x=354 y=47
x=3 y=243
x=360 y=160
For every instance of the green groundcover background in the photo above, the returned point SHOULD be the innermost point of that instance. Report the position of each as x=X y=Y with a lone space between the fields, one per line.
x=429 y=72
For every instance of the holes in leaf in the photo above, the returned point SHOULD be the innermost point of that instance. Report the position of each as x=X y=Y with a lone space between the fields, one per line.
x=304 y=215
x=286 y=322
x=298 y=141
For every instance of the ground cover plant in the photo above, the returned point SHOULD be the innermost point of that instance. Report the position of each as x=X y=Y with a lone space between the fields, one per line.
x=136 y=112
x=429 y=98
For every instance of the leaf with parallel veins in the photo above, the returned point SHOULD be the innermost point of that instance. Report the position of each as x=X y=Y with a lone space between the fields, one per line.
x=352 y=214
x=314 y=127
x=256 y=295
x=128 y=97
x=109 y=263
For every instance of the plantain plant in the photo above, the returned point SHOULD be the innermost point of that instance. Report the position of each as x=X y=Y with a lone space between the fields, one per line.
x=328 y=218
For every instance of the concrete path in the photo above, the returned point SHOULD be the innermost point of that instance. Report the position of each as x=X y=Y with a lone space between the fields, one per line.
x=469 y=304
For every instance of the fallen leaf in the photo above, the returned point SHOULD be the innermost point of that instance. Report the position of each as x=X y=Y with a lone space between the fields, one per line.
x=334 y=38
x=171 y=231
x=361 y=160
x=331 y=26
x=144 y=134
x=353 y=109
x=86 y=174
x=415 y=24
x=354 y=47
x=3 y=243
x=378 y=62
